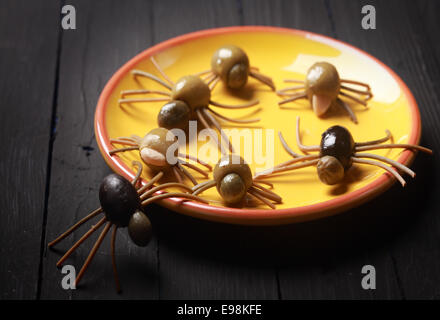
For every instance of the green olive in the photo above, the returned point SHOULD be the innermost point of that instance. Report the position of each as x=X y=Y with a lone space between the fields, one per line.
x=322 y=79
x=191 y=90
x=174 y=114
x=238 y=76
x=233 y=178
x=154 y=147
x=330 y=170
x=231 y=63
x=139 y=229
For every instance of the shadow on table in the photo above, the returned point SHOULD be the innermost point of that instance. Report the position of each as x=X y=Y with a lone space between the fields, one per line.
x=371 y=226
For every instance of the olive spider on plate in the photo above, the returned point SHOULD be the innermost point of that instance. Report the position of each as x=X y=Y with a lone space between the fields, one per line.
x=188 y=98
x=233 y=180
x=323 y=87
x=156 y=151
x=337 y=152
x=230 y=64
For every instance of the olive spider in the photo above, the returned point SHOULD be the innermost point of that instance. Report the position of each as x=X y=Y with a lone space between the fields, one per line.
x=123 y=206
x=154 y=149
x=233 y=179
x=337 y=153
x=323 y=87
x=188 y=98
x=230 y=64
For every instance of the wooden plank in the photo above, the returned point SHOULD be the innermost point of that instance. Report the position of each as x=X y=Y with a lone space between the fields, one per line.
x=198 y=259
x=323 y=259
x=108 y=34
x=28 y=51
x=401 y=41
x=204 y=260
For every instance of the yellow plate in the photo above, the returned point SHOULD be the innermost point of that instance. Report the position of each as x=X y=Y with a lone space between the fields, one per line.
x=279 y=53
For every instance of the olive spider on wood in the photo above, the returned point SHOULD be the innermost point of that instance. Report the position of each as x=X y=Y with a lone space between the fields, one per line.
x=154 y=150
x=123 y=206
x=188 y=98
x=323 y=87
x=337 y=152
x=230 y=64
x=233 y=180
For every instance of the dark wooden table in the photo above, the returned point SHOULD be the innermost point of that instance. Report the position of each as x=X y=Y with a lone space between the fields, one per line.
x=51 y=168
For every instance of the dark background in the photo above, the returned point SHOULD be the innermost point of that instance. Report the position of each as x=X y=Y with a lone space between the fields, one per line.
x=51 y=168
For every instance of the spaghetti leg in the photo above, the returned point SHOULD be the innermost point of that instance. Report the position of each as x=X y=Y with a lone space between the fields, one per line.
x=189 y=165
x=81 y=240
x=178 y=175
x=286 y=146
x=394 y=145
x=262 y=78
x=396 y=164
x=164 y=186
x=152 y=77
x=275 y=170
x=203 y=186
x=299 y=143
x=378 y=141
x=232 y=119
x=186 y=173
x=214 y=83
x=219 y=129
x=362 y=102
x=238 y=106
x=381 y=165
x=347 y=108
x=112 y=152
x=190 y=157
x=262 y=199
x=75 y=226
x=293 y=98
x=159 y=68
x=211 y=134
x=184 y=196
x=93 y=252
x=138 y=174
x=150 y=183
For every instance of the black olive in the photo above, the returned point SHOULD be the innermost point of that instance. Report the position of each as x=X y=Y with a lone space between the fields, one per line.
x=338 y=142
x=119 y=199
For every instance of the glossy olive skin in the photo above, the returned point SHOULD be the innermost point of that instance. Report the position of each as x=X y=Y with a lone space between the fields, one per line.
x=231 y=188
x=191 y=90
x=338 y=142
x=139 y=229
x=233 y=178
x=231 y=63
x=322 y=79
x=174 y=114
x=119 y=199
